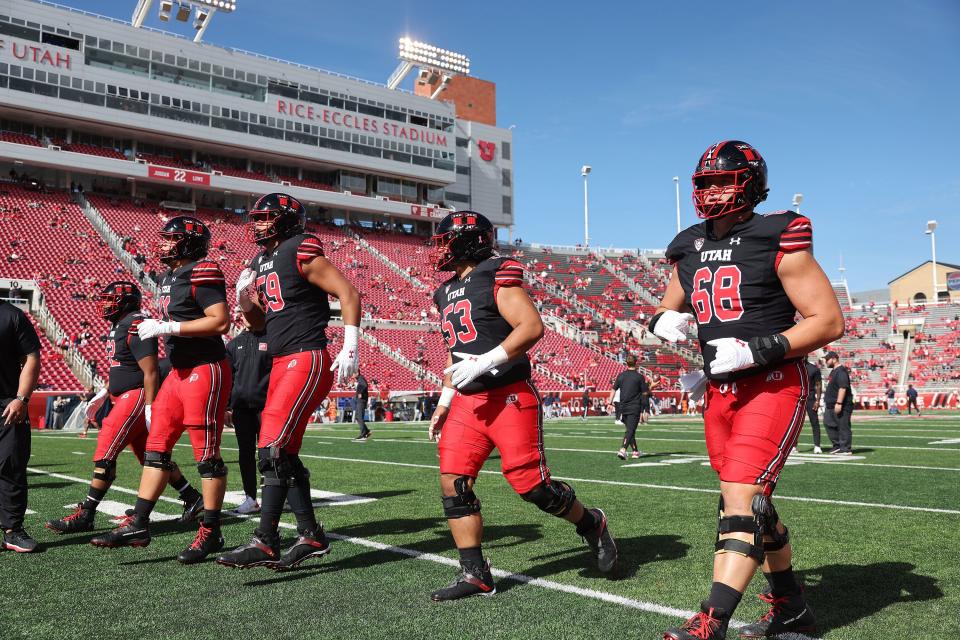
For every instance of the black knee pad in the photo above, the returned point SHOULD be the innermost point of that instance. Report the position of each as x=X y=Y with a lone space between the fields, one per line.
x=768 y=518
x=158 y=460
x=275 y=467
x=109 y=473
x=741 y=524
x=212 y=468
x=464 y=503
x=554 y=497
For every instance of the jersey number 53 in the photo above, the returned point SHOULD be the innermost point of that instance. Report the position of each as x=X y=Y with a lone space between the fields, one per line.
x=456 y=323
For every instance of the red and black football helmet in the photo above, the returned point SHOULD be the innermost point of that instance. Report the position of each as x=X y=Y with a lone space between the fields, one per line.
x=182 y=238
x=462 y=236
x=118 y=298
x=729 y=168
x=275 y=215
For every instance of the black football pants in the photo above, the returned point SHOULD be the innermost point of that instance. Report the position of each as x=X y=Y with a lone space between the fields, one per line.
x=630 y=432
x=246 y=425
x=814 y=424
x=361 y=411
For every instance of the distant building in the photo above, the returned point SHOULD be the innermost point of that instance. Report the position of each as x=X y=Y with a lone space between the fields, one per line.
x=916 y=285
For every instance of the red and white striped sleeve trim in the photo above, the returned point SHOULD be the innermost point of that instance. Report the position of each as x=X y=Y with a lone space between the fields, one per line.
x=133 y=327
x=797 y=236
x=510 y=274
x=207 y=274
x=309 y=249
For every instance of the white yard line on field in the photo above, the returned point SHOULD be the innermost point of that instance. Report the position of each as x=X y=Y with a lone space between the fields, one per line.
x=603 y=596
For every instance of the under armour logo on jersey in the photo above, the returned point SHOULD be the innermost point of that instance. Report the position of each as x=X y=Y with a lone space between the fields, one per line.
x=291 y=364
x=698 y=243
x=193 y=377
x=735 y=240
x=775 y=376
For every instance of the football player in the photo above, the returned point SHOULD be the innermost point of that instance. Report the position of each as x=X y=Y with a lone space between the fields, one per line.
x=285 y=290
x=192 y=302
x=742 y=277
x=132 y=386
x=489 y=324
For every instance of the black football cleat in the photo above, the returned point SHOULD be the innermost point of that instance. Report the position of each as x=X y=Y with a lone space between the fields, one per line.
x=472 y=581
x=128 y=535
x=308 y=545
x=207 y=541
x=192 y=507
x=80 y=520
x=262 y=551
x=707 y=624
x=601 y=543
x=787 y=615
x=19 y=540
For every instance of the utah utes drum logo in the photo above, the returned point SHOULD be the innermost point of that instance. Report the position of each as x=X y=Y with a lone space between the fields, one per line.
x=487 y=149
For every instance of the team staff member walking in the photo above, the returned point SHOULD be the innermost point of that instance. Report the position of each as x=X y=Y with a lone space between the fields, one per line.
x=838 y=406
x=813 y=403
x=19 y=370
x=360 y=407
x=251 y=364
x=631 y=386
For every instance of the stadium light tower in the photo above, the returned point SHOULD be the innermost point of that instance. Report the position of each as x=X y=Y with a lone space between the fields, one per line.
x=931 y=231
x=676 y=183
x=434 y=63
x=797 y=199
x=585 y=171
x=203 y=12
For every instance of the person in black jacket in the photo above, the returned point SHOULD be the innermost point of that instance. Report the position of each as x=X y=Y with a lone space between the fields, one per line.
x=251 y=364
x=632 y=387
x=19 y=371
x=360 y=408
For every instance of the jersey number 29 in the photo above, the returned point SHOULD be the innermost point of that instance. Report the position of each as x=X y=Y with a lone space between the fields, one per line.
x=717 y=294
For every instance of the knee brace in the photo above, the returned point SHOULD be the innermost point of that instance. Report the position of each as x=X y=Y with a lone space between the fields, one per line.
x=109 y=473
x=553 y=497
x=212 y=468
x=742 y=524
x=275 y=467
x=768 y=518
x=301 y=475
x=464 y=503
x=158 y=460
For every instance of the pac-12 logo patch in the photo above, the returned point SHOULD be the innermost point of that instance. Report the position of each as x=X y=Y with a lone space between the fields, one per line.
x=291 y=364
x=698 y=243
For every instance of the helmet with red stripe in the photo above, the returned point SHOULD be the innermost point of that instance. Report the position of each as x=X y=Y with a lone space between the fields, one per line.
x=462 y=236
x=182 y=238
x=276 y=215
x=731 y=177
x=118 y=298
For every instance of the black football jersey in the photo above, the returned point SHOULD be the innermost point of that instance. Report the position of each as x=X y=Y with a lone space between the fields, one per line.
x=124 y=350
x=471 y=323
x=731 y=283
x=184 y=294
x=297 y=312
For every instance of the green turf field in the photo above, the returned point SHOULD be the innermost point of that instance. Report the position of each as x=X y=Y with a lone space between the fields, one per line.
x=877 y=541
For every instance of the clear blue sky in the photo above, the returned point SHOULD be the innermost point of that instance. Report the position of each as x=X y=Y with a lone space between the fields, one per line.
x=854 y=104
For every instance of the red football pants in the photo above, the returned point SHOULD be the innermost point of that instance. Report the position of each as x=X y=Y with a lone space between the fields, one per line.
x=751 y=424
x=508 y=418
x=124 y=425
x=194 y=400
x=298 y=384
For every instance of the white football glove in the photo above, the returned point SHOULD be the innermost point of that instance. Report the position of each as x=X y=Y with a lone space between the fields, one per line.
x=472 y=367
x=694 y=383
x=243 y=288
x=347 y=362
x=151 y=328
x=732 y=355
x=673 y=326
x=147 y=410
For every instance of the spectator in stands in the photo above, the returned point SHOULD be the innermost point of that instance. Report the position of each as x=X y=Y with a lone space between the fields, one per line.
x=19 y=371
x=838 y=406
x=912 y=400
